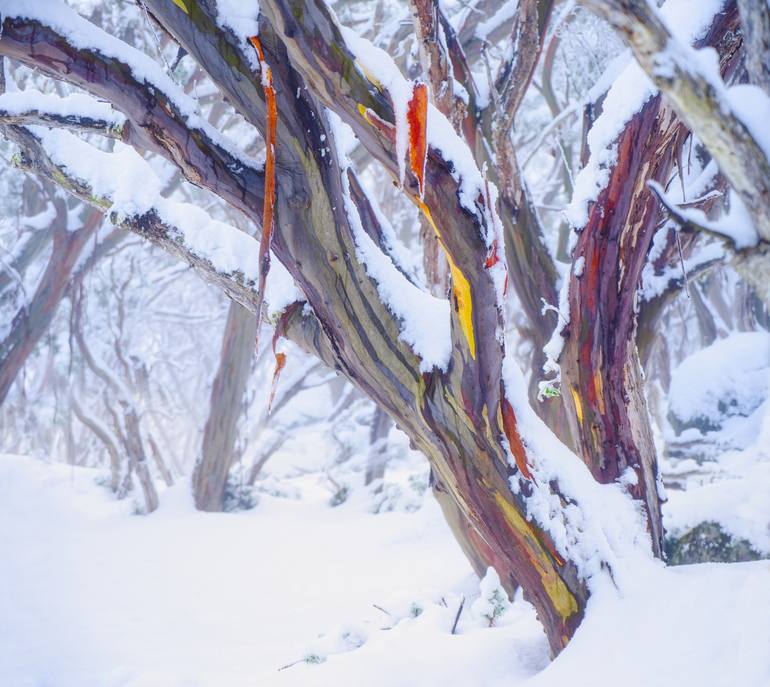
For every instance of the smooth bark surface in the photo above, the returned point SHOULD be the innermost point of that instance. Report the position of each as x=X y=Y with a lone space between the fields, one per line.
x=219 y=434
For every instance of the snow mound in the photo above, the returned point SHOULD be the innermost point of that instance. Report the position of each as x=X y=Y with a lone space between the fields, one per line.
x=727 y=379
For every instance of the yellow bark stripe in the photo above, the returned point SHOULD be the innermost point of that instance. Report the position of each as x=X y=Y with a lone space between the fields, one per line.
x=599 y=390
x=182 y=6
x=562 y=599
x=578 y=404
x=461 y=288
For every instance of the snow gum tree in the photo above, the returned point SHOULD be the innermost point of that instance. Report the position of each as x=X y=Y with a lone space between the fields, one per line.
x=517 y=499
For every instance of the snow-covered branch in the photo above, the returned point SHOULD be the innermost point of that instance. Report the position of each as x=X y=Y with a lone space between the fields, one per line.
x=50 y=37
x=126 y=186
x=731 y=123
x=735 y=227
x=749 y=256
x=76 y=111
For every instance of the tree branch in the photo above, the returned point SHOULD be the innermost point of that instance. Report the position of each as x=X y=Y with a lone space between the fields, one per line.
x=527 y=37
x=160 y=117
x=694 y=220
x=699 y=97
x=78 y=112
x=154 y=222
x=436 y=61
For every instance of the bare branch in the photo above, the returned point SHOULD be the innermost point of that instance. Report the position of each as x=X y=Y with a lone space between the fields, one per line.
x=693 y=220
x=486 y=22
x=435 y=59
x=749 y=261
x=527 y=36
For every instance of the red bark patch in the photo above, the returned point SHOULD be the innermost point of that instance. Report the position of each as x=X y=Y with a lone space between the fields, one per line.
x=514 y=439
x=387 y=129
x=283 y=320
x=492 y=257
x=417 y=116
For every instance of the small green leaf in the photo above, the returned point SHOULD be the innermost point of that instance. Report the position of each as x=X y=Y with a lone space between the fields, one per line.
x=551 y=392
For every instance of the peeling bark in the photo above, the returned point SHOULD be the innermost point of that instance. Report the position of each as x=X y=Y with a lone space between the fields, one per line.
x=600 y=366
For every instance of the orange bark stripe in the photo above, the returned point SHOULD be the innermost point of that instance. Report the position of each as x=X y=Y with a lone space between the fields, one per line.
x=280 y=362
x=270 y=132
x=514 y=440
x=417 y=117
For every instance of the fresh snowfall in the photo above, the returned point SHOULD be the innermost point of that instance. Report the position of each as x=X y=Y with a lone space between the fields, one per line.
x=385 y=343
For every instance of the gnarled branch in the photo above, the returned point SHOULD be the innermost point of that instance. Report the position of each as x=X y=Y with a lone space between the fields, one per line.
x=699 y=97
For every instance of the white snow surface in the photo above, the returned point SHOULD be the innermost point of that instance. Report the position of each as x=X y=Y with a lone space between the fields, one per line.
x=71 y=105
x=752 y=105
x=734 y=371
x=732 y=488
x=280 y=290
x=242 y=18
x=732 y=492
x=96 y=597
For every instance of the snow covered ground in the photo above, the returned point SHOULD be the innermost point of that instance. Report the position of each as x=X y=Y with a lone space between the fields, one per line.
x=93 y=596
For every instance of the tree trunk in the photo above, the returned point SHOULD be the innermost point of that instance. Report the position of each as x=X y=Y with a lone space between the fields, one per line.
x=137 y=456
x=601 y=375
x=220 y=433
x=105 y=436
x=33 y=319
x=496 y=472
x=378 y=446
x=601 y=372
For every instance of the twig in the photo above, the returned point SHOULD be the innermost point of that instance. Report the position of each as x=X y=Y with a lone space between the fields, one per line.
x=289 y=665
x=457 y=617
x=687 y=222
x=681 y=261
